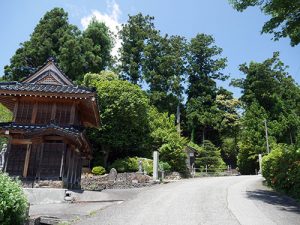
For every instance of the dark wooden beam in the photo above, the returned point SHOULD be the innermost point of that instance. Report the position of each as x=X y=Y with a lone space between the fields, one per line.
x=21 y=141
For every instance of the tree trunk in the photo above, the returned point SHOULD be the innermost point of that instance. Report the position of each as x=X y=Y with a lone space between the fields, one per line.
x=203 y=136
x=178 y=119
x=106 y=151
x=291 y=137
x=193 y=135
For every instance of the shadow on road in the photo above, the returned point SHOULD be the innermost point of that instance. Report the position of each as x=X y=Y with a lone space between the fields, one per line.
x=282 y=202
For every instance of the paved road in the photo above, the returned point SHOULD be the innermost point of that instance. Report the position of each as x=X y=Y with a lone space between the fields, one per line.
x=240 y=200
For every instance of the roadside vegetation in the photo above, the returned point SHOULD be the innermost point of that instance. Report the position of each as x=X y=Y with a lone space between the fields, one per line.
x=13 y=203
x=161 y=93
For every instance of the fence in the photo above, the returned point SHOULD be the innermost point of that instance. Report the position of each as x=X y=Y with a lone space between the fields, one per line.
x=207 y=172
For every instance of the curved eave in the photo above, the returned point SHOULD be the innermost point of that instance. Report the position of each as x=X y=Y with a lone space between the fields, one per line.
x=46 y=94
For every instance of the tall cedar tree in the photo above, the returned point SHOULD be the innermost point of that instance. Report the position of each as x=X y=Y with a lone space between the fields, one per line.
x=134 y=34
x=75 y=52
x=164 y=71
x=204 y=67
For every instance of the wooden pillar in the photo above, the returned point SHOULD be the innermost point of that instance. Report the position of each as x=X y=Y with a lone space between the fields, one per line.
x=53 y=112
x=69 y=163
x=62 y=161
x=75 y=169
x=26 y=163
x=40 y=159
x=72 y=113
x=72 y=168
x=15 y=111
x=34 y=112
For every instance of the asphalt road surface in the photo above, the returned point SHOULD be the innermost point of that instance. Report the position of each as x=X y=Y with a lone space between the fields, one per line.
x=239 y=200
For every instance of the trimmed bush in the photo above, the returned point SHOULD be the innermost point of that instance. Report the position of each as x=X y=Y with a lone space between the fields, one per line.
x=126 y=165
x=13 y=203
x=131 y=164
x=98 y=170
x=281 y=169
x=165 y=166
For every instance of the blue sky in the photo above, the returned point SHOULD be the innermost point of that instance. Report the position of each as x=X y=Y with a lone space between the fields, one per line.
x=237 y=33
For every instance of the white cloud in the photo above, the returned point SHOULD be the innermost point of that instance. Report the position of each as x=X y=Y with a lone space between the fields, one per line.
x=111 y=19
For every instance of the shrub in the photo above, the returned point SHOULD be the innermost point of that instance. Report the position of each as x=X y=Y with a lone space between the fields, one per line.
x=165 y=166
x=13 y=203
x=125 y=165
x=131 y=164
x=281 y=169
x=98 y=170
x=209 y=156
x=148 y=165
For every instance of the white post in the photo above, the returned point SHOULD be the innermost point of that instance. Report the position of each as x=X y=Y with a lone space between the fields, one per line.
x=259 y=161
x=155 y=165
x=267 y=138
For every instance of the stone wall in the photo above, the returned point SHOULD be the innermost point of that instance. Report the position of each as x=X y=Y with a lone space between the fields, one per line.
x=115 y=180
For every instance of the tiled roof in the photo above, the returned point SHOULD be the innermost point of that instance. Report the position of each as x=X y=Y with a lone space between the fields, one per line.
x=49 y=88
x=51 y=60
x=74 y=130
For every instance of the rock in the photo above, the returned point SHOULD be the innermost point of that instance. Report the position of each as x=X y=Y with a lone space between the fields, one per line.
x=173 y=176
x=115 y=180
x=112 y=176
x=34 y=221
x=135 y=181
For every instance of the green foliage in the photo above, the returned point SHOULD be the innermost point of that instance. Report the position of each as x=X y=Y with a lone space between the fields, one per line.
x=209 y=156
x=229 y=151
x=98 y=170
x=199 y=149
x=131 y=164
x=13 y=203
x=252 y=139
x=281 y=168
x=147 y=165
x=268 y=93
x=165 y=166
x=164 y=70
x=97 y=44
x=165 y=138
x=76 y=52
x=124 y=121
x=204 y=67
x=134 y=35
x=284 y=21
x=91 y=79
x=5 y=116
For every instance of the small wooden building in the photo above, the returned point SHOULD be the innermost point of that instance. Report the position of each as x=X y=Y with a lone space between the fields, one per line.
x=46 y=137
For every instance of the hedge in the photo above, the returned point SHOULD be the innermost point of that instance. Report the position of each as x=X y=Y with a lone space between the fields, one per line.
x=281 y=169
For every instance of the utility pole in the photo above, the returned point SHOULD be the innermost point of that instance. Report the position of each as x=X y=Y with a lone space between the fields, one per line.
x=267 y=138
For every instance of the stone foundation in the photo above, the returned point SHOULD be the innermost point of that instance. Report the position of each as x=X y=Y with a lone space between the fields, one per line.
x=115 y=180
x=42 y=184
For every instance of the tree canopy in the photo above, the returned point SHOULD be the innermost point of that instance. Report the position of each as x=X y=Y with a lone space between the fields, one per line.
x=285 y=19
x=76 y=52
